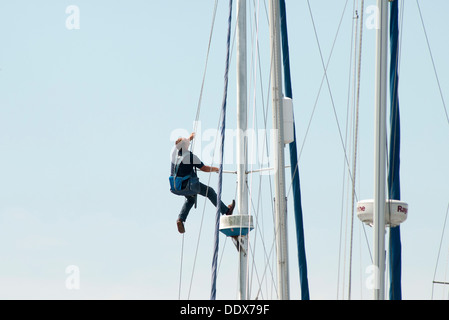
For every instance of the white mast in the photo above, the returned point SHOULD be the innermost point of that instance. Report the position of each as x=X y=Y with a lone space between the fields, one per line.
x=242 y=144
x=279 y=174
x=380 y=150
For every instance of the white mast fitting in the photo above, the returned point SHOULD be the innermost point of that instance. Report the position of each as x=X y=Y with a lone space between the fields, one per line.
x=279 y=171
x=242 y=153
x=380 y=139
x=381 y=212
x=238 y=225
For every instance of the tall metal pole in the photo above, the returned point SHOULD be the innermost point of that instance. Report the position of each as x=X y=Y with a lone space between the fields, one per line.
x=380 y=150
x=242 y=143
x=279 y=174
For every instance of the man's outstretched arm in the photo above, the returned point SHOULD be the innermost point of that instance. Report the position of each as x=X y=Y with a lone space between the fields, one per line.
x=209 y=169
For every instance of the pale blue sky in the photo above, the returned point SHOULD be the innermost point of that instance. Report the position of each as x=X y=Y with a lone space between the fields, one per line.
x=86 y=118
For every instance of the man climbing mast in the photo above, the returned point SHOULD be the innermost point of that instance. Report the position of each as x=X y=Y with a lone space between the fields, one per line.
x=188 y=163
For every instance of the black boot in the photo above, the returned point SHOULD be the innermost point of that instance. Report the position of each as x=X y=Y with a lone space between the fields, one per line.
x=180 y=225
x=231 y=208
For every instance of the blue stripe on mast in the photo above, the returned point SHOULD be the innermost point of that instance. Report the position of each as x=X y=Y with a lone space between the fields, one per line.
x=294 y=164
x=394 y=190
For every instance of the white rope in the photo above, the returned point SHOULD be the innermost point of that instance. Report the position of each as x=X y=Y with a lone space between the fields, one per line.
x=255 y=57
x=180 y=269
x=198 y=109
x=355 y=148
x=213 y=155
x=351 y=75
x=192 y=146
x=202 y=215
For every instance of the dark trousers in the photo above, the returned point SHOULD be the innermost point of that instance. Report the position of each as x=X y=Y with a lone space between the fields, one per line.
x=205 y=191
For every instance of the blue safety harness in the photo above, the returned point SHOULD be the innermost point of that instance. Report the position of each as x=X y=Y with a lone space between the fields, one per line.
x=184 y=186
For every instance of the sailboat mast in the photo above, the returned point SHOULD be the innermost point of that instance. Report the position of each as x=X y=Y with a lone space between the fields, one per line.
x=279 y=170
x=380 y=150
x=242 y=144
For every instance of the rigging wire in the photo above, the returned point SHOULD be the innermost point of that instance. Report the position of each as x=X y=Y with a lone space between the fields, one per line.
x=197 y=118
x=321 y=85
x=215 y=145
x=253 y=82
x=356 y=137
x=220 y=174
x=433 y=62
x=265 y=149
x=346 y=139
x=192 y=147
x=355 y=148
x=324 y=78
x=352 y=60
x=447 y=119
x=445 y=276
x=180 y=270
x=327 y=79
x=198 y=109
x=256 y=62
x=439 y=249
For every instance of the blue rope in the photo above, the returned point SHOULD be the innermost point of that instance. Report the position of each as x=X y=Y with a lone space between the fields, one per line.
x=220 y=172
x=394 y=187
